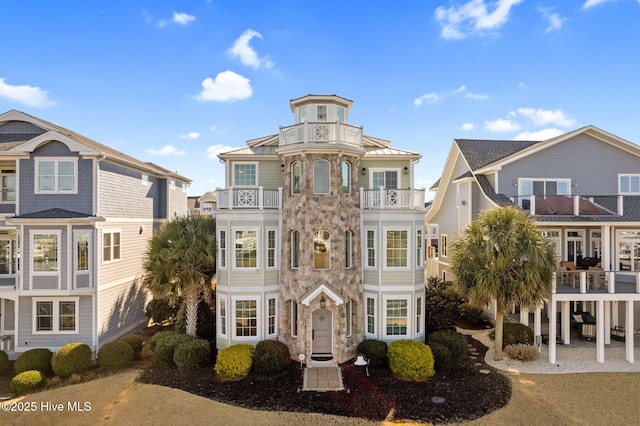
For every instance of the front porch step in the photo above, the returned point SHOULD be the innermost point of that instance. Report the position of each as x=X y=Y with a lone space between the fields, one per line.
x=315 y=363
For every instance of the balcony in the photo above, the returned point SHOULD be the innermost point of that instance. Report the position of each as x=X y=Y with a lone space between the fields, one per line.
x=392 y=198
x=596 y=282
x=321 y=133
x=571 y=205
x=249 y=198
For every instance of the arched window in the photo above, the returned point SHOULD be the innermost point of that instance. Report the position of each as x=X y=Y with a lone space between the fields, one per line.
x=346 y=177
x=295 y=249
x=321 y=173
x=321 y=250
x=296 y=175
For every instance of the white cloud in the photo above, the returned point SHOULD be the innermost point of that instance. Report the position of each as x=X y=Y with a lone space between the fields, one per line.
x=190 y=135
x=166 y=150
x=522 y=85
x=473 y=17
x=460 y=89
x=591 y=3
x=555 y=20
x=477 y=96
x=183 y=18
x=429 y=98
x=214 y=150
x=540 y=135
x=227 y=87
x=28 y=95
x=247 y=55
x=467 y=126
x=541 y=117
x=501 y=125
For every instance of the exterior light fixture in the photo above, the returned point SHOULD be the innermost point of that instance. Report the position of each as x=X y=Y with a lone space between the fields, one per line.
x=406 y=170
x=364 y=171
x=323 y=303
x=282 y=167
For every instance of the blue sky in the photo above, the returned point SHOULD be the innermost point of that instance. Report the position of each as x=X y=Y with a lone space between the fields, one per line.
x=176 y=82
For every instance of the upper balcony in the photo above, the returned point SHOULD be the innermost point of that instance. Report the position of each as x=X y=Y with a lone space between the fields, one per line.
x=410 y=199
x=321 y=132
x=571 y=205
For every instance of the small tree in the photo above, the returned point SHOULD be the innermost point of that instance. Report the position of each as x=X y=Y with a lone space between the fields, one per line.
x=503 y=256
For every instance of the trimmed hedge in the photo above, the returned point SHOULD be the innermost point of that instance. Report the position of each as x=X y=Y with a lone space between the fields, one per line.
x=4 y=361
x=375 y=351
x=73 y=358
x=115 y=355
x=34 y=359
x=158 y=310
x=411 y=360
x=165 y=346
x=136 y=344
x=27 y=381
x=235 y=361
x=514 y=333
x=192 y=354
x=471 y=313
x=442 y=358
x=271 y=357
x=158 y=336
x=455 y=342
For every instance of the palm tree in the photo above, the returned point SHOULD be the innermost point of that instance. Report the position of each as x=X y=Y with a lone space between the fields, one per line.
x=181 y=260
x=503 y=256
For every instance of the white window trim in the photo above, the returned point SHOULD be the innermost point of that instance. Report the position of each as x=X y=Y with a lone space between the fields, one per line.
x=419 y=260
x=409 y=248
x=349 y=167
x=328 y=268
x=375 y=316
x=233 y=174
x=443 y=246
x=629 y=175
x=322 y=160
x=111 y=260
x=276 y=252
x=147 y=181
x=410 y=319
x=275 y=317
x=366 y=248
x=55 y=313
x=373 y=170
x=223 y=251
x=258 y=335
x=56 y=161
x=4 y=173
x=419 y=321
x=223 y=330
x=13 y=252
x=77 y=272
x=32 y=234
x=233 y=245
x=545 y=180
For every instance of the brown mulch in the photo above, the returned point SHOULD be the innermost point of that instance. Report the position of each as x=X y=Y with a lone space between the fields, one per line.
x=468 y=393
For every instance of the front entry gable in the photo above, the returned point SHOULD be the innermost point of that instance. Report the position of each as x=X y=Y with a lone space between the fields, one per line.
x=322 y=289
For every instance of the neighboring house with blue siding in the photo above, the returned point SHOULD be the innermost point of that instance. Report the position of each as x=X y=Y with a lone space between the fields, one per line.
x=320 y=237
x=75 y=219
x=582 y=189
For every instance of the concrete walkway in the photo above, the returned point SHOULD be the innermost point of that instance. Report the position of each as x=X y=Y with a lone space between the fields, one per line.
x=322 y=379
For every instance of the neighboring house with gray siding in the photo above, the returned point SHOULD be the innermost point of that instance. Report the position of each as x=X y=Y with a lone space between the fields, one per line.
x=582 y=189
x=75 y=219
x=320 y=237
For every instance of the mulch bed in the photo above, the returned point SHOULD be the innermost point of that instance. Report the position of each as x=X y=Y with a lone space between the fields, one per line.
x=468 y=393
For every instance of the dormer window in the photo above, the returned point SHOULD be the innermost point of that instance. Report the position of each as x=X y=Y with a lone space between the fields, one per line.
x=322 y=113
x=340 y=114
x=302 y=114
x=56 y=176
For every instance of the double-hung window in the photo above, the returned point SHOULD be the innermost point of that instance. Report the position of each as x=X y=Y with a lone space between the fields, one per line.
x=45 y=252
x=396 y=317
x=56 y=176
x=222 y=241
x=110 y=246
x=8 y=186
x=629 y=184
x=55 y=315
x=371 y=315
x=396 y=247
x=246 y=248
x=272 y=253
x=271 y=316
x=371 y=248
x=245 y=174
x=246 y=315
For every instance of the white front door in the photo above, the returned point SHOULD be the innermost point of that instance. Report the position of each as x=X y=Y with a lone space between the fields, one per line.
x=321 y=334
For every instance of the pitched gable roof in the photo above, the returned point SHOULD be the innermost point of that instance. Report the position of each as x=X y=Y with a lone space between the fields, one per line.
x=481 y=152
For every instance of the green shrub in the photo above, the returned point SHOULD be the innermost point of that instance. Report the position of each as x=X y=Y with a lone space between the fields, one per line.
x=441 y=304
x=158 y=310
x=455 y=342
x=522 y=352
x=514 y=333
x=166 y=346
x=442 y=358
x=115 y=355
x=470 y=313
x=235 y=361
x=411 y=360
x=34 y=359
x=192 y=354
x=136 y=344
x=271 y=357
x=375 y=351
x=73 y=358
x=4 y=361
x=205 y=325
x=159 y=335
x=27 y=381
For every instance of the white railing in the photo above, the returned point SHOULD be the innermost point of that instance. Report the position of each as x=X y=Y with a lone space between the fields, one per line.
x=593 y=281
x=392 y=198
x=606 y=204
x=321 y=132
x=249 y=198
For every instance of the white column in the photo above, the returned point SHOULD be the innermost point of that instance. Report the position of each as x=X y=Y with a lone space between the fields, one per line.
x=553 y=314
x=600 y=331
x=607 y=322
x=537 y=321
x=524 y=315
x=606 y=248
x=628 y=335
x=566 y=323
x=614 y=313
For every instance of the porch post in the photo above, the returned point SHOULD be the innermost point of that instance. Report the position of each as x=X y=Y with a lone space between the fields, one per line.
x=605 y=257
x=607 y=322
x=553 y=315
x=524 y=316
x=629 y=331
x=614 y=313
x=537 y=321
x=600 y=331
x=566 y=323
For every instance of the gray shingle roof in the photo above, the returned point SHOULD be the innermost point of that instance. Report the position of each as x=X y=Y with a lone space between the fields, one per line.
x=480 y=152
x=54 y=214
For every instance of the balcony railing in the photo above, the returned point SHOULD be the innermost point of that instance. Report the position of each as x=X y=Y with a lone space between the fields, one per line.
x=595 y=281
x=392 y=198
x=572 y=205
x=249 y=198
x=321 y=132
